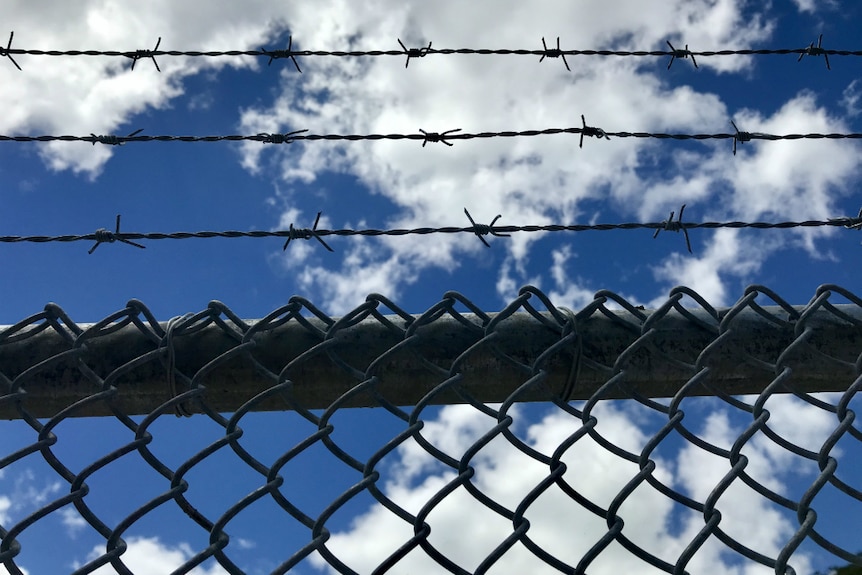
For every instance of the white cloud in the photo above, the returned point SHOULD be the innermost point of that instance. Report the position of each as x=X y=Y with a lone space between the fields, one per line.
x=805 y=5
x=5 y=506
x=851 y=98
x=102 y=95
x=727 y=254
x=149 y=556
x=4 y=571
x=789 y=180
x=72 y=520
x=528 y=180
x=25 y=496
x=466 y=531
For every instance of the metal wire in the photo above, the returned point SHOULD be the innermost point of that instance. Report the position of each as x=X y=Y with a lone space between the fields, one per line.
x=52 y=369
x=103 y=235
x=421 y=52
x=445 y=137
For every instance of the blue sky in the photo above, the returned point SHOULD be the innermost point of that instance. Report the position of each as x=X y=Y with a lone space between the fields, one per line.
x=76 y=188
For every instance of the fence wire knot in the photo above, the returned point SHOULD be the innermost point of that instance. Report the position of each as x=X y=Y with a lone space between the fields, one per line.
x=5 y=51
x=287 y=138
x=817 y=50
x=104 y=236
x=681 y=54
x=305 y=234
x=112 y=140
x=414 y=52
x=483 y=229
x=180 y=410
x=437 y=136
x=591 y=131
x=138 y=54
x=675 y=226
x=276 y=54
x=739 y=137
x=554 y=53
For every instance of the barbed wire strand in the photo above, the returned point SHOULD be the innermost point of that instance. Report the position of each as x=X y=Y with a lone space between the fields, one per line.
x=411 y=53
x=103 y=235
x=446 y=137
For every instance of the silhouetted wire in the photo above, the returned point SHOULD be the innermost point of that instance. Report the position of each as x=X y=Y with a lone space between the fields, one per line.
x=421 y=52
x=103 y=235
x=445 y=137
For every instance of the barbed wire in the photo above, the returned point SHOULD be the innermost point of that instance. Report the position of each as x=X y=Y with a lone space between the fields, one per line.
x=738 y=136
x=104 y=235
x=421 y=52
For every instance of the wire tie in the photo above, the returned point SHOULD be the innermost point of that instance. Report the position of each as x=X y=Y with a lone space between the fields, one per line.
x=414 y=52
x=483 y=230
x=146 y=54
x=571 y=327
x=113 y=140
x=554 y=53
x=591 y=132
x=5 y=51
x=740 y=137
x=817 y=50
x=276 y=54
x=103 y=236
x=681 y=54
x=305 y=234
x=437 y=136
x=675 y=226
x=168 y=342
x=279 y=138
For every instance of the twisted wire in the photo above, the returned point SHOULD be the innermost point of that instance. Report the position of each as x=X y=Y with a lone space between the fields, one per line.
x=480 y=230
x=424 y=51
x=445 y=137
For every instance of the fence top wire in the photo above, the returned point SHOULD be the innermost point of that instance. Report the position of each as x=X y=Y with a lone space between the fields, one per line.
x=104 y=235
x=446 y=137
x=761 y=344
x=423 y=51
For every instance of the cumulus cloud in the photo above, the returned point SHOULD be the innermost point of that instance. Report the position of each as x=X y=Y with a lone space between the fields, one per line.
x=536 y=180
x=466 y=531
x=150 y=556
x=784 y=180
x=101 y=95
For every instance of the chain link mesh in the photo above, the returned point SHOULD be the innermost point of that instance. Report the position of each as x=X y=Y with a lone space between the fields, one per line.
x=222 y=371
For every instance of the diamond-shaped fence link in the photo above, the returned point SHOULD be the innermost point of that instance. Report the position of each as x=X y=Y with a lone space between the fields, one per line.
x=213 y=366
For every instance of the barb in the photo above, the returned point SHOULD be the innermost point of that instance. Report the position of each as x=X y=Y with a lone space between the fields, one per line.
x=818 y=50
x=438 y=136
x=287 y=138
x=855 y=223
x=112 y=140
x=7 y=51
x=675 y=226
x=483 y=230
x=146 y=54
x=414 y=52
x=680 y=54
x=554 y=53
x=289 y=53
x=306 y=234
x=103 y=236
x=740 y=137
x=446 y=137
x=591 y=132
x=852 y=223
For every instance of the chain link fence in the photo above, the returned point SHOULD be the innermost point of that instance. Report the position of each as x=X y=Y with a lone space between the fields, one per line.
x=622 y=384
